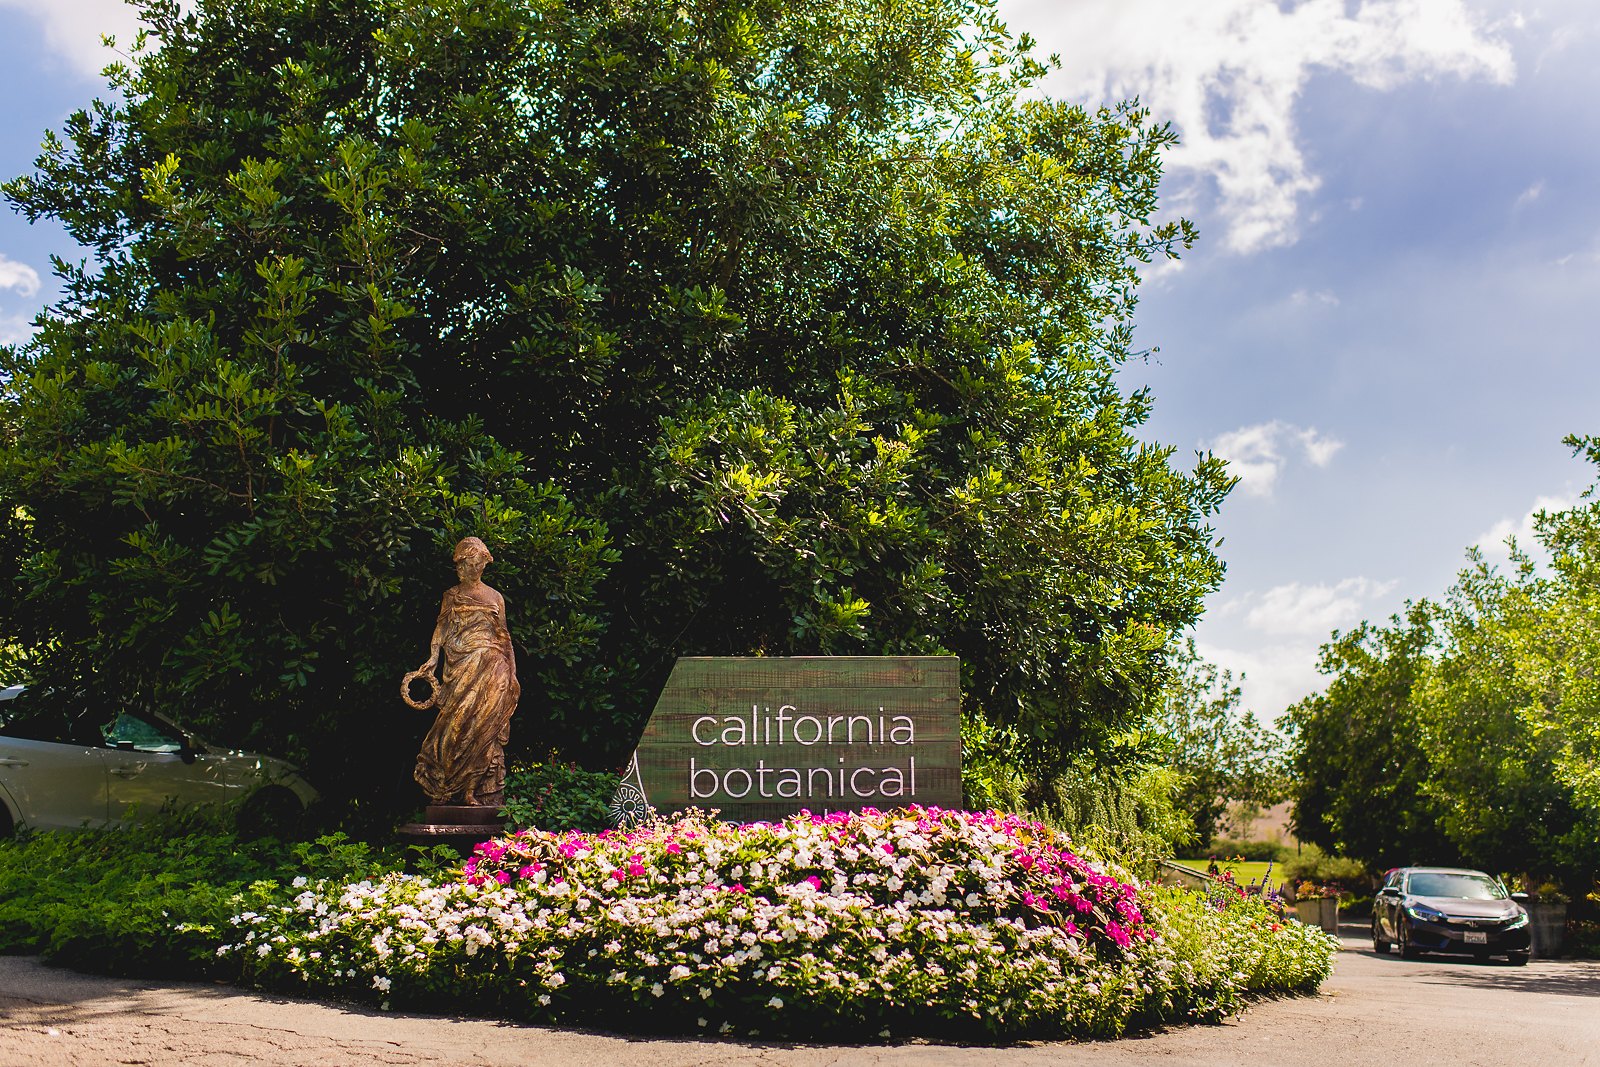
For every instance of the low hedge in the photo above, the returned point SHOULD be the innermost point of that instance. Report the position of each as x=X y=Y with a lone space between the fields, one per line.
x=156 y=900
x=919 y=923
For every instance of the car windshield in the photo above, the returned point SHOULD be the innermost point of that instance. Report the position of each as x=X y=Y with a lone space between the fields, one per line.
x=1457 y=886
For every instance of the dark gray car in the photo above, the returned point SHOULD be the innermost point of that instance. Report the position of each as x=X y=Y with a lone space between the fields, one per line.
x=1449 y=909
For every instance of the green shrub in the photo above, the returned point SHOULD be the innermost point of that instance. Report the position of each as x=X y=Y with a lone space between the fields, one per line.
x=1125 y=813
x=1311 y=864
x=1252 y=851
x=558 y=796
x=1583 y=938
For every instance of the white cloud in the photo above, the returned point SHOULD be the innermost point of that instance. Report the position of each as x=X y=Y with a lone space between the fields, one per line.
x=1528 y=196
x=1295 y=619
x=1228 y=74
x=19 y=276
x=15 y=329
x=1492 y=542
x=1258 y=454
x=74 y=27
x=1315 y=609
x=1271 y=677
x=1325 y=297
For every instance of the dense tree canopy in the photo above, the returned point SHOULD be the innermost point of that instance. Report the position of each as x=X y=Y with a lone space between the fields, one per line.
x=732 y=327
x=1359 y=765
x=1466 y=731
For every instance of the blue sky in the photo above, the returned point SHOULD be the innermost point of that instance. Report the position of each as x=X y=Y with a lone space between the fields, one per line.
x=1387 y=326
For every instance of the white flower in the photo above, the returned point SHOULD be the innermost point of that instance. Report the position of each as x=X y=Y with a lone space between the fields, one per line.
x=657 y=989
x=380 y=983
x=775 y=1002
x=678 y=972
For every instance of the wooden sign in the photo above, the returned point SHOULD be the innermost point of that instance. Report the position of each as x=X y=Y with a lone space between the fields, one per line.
x=761 y=738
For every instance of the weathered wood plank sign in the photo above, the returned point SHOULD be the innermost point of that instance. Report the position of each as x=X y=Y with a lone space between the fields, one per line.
x=766 y=737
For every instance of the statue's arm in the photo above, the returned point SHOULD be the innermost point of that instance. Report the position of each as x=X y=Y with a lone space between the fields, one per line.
x=505 y=628
x=436 y=642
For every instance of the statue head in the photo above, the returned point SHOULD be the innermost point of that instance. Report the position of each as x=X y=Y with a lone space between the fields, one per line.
x=471 y=554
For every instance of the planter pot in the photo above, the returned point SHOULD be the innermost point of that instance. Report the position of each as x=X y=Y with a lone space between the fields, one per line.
x=1548 y=925
x=1321 y=912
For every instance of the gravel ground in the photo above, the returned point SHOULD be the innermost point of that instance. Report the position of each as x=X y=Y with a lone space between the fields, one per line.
x=1377 y=1011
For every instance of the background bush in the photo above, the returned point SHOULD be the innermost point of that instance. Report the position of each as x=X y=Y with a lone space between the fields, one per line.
x=1311 y=864
x=558 y=796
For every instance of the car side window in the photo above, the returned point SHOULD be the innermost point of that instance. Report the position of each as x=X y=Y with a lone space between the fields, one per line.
x=42 y=716
x=1394 y=881
x=141 y=735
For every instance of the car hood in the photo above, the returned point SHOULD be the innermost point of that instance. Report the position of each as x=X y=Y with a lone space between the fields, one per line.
x=1470 y=909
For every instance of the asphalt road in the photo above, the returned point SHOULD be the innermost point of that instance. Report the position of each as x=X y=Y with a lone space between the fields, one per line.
x=1377 y=1011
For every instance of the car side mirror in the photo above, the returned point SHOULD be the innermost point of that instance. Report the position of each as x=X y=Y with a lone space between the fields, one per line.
x=186 y=750
x=1389 y=891
x=1520 y=897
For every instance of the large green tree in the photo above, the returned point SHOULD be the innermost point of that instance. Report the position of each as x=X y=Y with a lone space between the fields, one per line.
x=732 y=327
x=1359 y=765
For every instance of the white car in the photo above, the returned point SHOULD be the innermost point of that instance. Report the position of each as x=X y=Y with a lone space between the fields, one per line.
x=62 y=766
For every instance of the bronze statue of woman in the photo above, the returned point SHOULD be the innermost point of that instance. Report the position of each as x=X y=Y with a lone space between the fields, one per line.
x=463 y=758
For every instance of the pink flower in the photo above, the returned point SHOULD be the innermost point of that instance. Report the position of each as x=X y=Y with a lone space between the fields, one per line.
x=674 y=848
x=1116 y=933
x=502 y=877
x=814 y=882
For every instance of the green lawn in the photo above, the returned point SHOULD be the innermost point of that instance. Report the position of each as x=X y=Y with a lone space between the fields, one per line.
x=1243 y=873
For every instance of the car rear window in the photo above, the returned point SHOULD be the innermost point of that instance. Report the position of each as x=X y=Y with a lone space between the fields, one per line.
x=1457 y=886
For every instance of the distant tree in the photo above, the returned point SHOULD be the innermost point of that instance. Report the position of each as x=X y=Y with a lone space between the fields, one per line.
x=742 y=327
x=1564 y=668
x=1493 y=746
x=1220 y=751
x=1465 y=732
x=1359 y=763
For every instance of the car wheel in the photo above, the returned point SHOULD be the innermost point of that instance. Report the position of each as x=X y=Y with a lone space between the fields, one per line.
x=1408 y=951
x=1379 y=945
x=1518 y=959
x=270 y=812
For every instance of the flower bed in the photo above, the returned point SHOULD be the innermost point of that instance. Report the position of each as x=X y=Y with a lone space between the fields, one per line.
x=922 y=922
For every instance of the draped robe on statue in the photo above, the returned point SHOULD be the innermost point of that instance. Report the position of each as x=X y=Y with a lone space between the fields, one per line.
x=463 y=757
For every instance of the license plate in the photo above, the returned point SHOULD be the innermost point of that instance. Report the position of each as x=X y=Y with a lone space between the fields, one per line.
x=1475 y=937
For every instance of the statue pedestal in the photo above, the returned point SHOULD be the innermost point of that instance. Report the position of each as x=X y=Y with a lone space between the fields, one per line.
x=459 y=825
